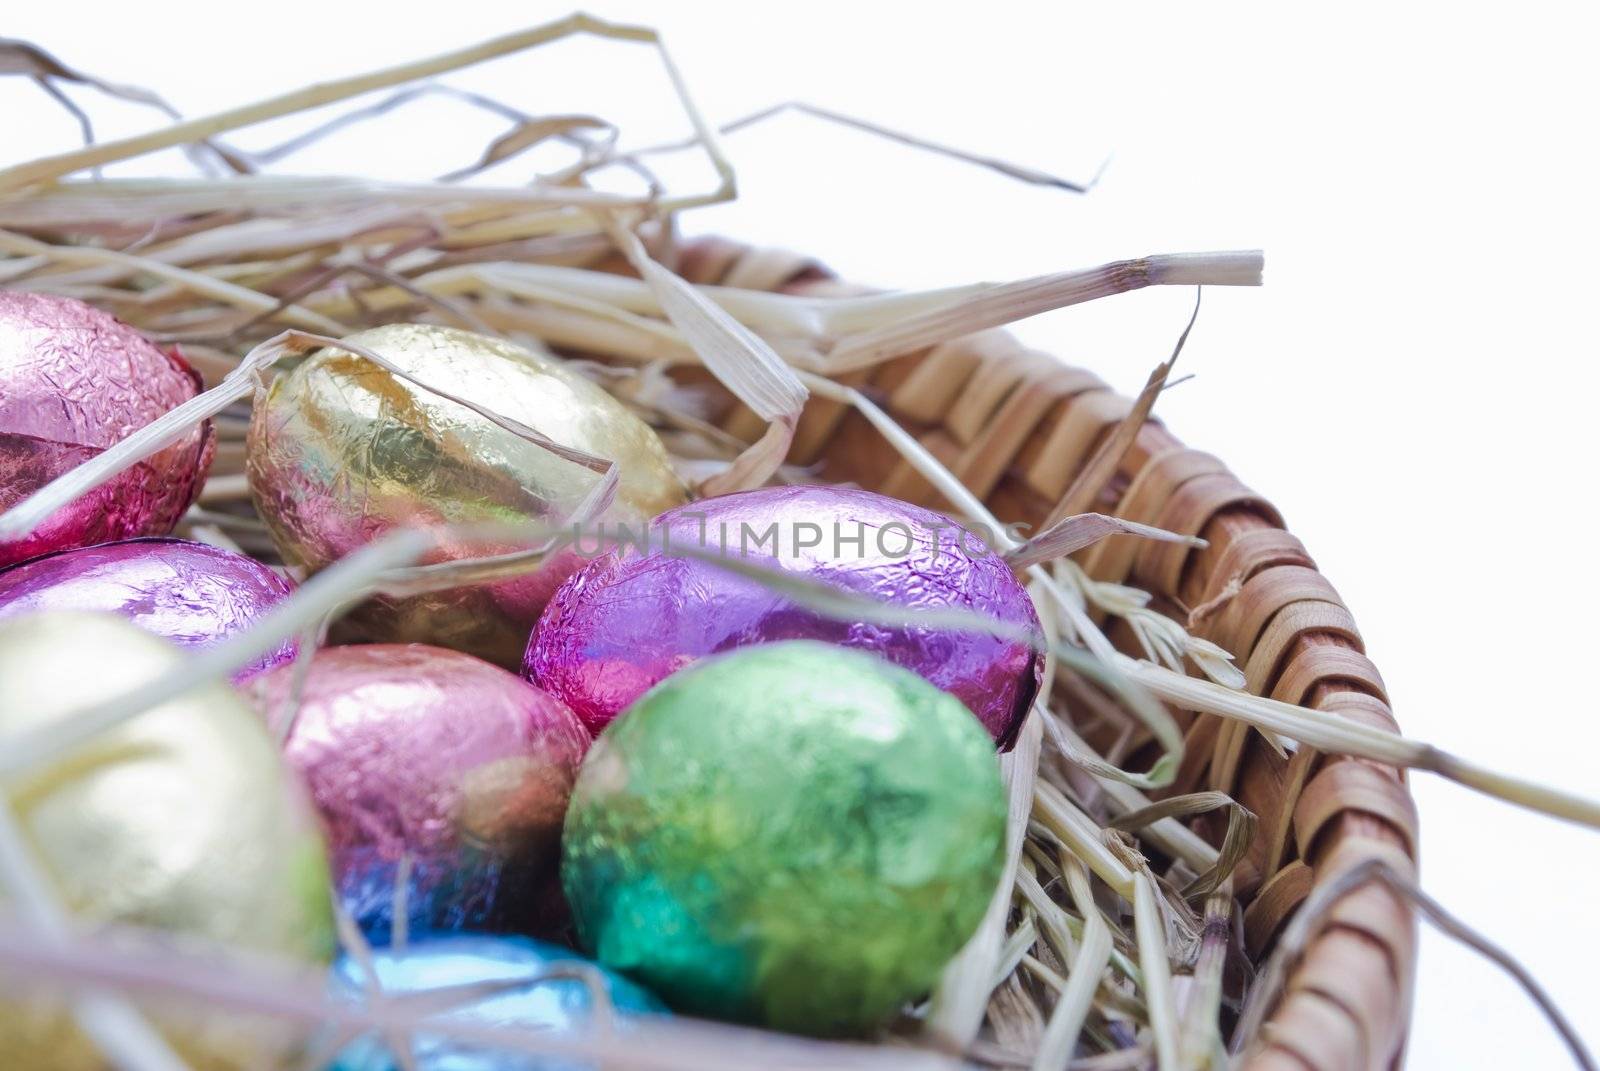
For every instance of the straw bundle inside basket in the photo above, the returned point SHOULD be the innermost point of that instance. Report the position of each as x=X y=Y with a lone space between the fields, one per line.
x=1161 y=851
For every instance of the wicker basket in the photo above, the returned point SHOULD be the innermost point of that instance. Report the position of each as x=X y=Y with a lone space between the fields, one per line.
x=1016 y=425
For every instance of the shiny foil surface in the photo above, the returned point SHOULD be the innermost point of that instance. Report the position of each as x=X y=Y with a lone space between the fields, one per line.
x=795 y=835
x=629 y=619
x=73 y=381
x=341 y=451
x=182 y=819
x=190 y=593
x=542 y=994
x=433 y=759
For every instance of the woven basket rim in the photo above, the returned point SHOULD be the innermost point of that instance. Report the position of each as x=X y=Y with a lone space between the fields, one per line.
x=1347 y=1001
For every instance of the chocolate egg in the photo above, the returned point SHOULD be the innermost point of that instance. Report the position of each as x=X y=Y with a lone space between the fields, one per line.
x=182 y=819
x=190 y=593
x=536 y=987
x=341 y=451
x=442 y=781
x=74 y=381
x=631 y=617
x=796 y=835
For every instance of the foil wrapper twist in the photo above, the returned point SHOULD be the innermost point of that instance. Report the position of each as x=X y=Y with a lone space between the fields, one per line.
x=442 y=782
x=182 y=819
x=523 y=984
x=795 y=835
x=631 y=617
x=342 y=451
x=189 y=593
x=74 y=381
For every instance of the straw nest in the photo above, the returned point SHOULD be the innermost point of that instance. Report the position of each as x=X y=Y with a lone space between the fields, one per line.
x=1210 y=859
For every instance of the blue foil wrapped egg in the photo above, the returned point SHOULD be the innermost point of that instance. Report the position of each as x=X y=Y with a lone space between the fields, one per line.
x=534 y=986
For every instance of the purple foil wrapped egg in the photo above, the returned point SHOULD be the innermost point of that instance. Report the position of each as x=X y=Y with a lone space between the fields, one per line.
x=74 y=381
x=190 y=593
x=632 y=617
x=442 y=782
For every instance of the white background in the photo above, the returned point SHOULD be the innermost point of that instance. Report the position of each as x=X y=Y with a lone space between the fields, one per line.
x=1415 y=386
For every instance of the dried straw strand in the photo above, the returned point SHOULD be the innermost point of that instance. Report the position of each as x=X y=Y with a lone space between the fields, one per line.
x=49 y=168
x=145 y=965
x=1019 y=172
x=1086 y=485
x=1318 y=908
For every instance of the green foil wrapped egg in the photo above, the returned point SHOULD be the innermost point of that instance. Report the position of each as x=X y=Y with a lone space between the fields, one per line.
x=341 y=451
x=181 y=820
x=794 y=835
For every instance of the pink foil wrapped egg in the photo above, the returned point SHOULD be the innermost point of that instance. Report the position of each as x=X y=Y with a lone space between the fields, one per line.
x=190 y=593
x=442 y=781
x=74 y=381
x=631 y=618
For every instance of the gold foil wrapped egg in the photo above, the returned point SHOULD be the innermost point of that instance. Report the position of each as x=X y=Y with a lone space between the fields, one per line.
x=182 y=819
x=342 y=451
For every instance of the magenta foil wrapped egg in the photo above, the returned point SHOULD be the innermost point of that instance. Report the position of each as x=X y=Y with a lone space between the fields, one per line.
x=631 y=617
x=442 y=782
x=74 y=381
x=189 y=593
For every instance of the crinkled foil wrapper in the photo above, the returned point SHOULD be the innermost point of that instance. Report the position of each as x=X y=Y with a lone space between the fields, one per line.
x=190 y=593
x=182 y=819
x=795 y=835
x=342 y=451
x=537 y=990
x=628 y=619
x=433 y=760
x=74 y=381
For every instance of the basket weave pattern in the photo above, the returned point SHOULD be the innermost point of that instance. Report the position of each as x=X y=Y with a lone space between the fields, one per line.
x=1015 y=425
